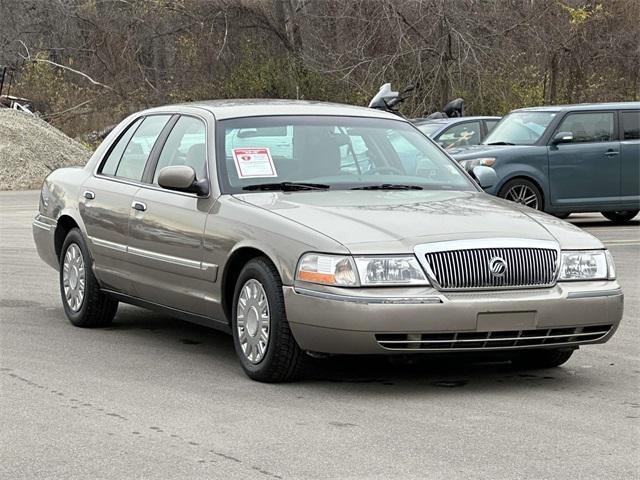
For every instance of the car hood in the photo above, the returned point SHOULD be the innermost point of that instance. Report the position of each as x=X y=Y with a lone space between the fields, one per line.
x=396 y=221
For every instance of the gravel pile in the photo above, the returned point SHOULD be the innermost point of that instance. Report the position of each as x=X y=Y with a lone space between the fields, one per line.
x=30 y=148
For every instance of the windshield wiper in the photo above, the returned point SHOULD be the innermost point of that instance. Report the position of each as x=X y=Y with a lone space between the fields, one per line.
x=388 y=186
x=287 y=186
x=500 y=143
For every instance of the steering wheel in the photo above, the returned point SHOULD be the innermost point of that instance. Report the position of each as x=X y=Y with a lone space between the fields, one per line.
x=377 y=170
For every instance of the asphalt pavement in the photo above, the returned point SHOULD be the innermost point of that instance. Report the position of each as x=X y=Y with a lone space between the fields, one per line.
x=155 y=397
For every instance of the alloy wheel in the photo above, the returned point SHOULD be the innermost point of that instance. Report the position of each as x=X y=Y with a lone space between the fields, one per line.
x=523 y=194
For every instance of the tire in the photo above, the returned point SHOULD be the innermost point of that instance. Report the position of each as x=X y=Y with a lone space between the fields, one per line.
x=281 y=360
x=562 y=215
x=522 y=191
x=620 y=216
x=534 y=359
x=92 y=308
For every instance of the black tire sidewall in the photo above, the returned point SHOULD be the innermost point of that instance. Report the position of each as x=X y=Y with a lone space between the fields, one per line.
x=521 y=181
x=258 y=269
x=77 y=318
x=621 y=216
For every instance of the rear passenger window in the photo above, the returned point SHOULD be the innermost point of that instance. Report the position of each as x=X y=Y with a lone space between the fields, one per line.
x=631 y=125
x=589 y=127
x=129 y=162
x=111 y=163
x=185 y=145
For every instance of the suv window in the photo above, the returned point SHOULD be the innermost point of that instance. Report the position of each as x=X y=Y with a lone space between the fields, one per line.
x=461 y=135
x=589 y=127
x=631 y=125
x=490 y=124
x=185 y=145
x=130 y=163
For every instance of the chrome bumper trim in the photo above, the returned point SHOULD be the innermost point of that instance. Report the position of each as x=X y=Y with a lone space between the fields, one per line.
x=595 y=294
x=42 y=225
x=369 y=300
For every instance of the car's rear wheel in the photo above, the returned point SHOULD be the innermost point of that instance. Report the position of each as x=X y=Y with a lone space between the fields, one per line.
x=261 y=335
x=541 y=358
x=620 y=216
x=562 y=215
x=84 y=304
x=522 y=191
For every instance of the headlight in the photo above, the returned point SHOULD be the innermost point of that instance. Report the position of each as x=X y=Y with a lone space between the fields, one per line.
x=587 y=265
x=327 y=270
x=478 y=162
x=390 y=271
x=345 y=271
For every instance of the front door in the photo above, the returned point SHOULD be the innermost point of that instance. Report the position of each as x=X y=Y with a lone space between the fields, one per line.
x=586 y=171
x=166 y=228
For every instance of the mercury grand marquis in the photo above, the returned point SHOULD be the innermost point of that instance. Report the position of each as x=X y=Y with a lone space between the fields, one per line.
x=298 y=228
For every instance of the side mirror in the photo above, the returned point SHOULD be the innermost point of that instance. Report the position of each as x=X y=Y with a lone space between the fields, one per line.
x=183 y=179
x=562 y=137
x=485 y=176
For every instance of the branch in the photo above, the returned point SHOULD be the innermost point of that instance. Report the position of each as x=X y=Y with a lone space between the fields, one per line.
x=64 y=67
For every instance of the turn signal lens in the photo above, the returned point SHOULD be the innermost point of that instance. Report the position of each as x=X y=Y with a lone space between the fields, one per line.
x=327 y=270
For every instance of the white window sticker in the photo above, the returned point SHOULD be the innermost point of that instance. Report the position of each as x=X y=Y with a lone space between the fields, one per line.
x=254 y=162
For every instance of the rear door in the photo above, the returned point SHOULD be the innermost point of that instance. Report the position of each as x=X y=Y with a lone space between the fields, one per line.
x=166 y=227
x=630 y=156
x=105 y=202
x=586 y=171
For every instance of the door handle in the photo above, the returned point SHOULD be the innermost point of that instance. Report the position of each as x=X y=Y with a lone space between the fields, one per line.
x=611 y=153
x=89 y=195
x=139 y=206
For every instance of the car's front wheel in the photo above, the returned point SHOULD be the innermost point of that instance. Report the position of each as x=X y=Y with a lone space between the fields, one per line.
x=261 y=335
x=83 y=302
x=522 y=191
x=620 y=216
x=541 y=358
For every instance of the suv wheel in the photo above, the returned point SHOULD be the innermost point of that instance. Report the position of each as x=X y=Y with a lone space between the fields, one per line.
x=84 y=304
x=621 y=216
x=261 y=335
x=522 y=191
x=541 y=358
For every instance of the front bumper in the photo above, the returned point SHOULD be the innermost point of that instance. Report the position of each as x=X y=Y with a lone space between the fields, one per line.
x=369 y=321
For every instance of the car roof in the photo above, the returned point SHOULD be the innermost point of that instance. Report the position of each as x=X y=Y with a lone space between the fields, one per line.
x=582 y=107
x=257 y=107
x=446 y=121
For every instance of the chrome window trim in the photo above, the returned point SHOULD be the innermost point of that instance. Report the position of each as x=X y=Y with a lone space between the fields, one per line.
x=485 y=243
x=429 y=300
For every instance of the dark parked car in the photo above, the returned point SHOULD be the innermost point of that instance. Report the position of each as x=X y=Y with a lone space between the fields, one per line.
x=564 y=159
x=457 y=131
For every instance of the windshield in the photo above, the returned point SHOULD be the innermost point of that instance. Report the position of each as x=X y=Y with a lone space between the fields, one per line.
x=323 y=152
x=429 y=128
x=520 y=128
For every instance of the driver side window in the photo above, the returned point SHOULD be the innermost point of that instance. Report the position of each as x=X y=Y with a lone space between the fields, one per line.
x=589 y=127
x=185 y=145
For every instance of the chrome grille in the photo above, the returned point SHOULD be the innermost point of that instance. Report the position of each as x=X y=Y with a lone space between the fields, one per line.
x=491 y=340
x=471 y=268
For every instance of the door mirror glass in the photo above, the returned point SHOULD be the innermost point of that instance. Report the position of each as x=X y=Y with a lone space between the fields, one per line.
x=485 y=176
x=562 y=137
x=181 y=178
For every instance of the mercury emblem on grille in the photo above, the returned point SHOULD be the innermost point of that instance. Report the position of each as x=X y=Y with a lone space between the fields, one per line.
x=497 y=266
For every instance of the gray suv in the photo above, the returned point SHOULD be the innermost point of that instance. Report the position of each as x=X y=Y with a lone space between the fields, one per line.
x=564 y=159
